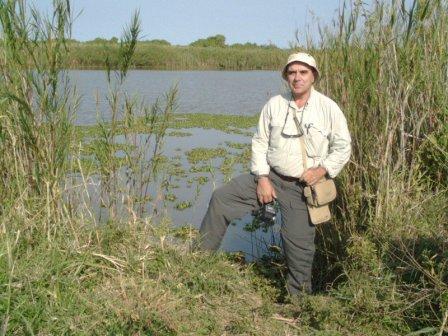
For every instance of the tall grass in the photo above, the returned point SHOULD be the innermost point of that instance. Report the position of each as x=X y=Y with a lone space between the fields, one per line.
x=388 y=67
x=50 y=241
x=35 y=128
x=128 y=180
x=35 y=137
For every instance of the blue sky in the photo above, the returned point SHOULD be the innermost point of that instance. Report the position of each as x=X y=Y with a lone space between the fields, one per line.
x=182 y=22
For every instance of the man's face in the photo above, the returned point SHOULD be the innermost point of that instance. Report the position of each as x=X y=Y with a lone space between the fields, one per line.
x=300 y=78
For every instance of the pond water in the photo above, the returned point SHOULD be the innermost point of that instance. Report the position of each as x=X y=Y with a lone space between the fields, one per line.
x=217 y=92
x=241 y=93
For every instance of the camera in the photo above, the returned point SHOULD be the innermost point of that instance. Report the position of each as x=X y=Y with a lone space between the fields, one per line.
x=267 y=212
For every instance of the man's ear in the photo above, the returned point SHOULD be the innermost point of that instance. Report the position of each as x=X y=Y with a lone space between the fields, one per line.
x=314 y=76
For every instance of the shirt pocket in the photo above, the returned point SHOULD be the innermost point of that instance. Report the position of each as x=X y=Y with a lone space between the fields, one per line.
x=275 y=136
x=318 y=139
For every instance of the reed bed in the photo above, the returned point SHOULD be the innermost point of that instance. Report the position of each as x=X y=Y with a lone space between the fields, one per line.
x=387 y=66
x=381 y=268
x=163 y=57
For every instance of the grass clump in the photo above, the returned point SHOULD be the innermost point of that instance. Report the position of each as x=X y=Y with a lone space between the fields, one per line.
x=226 y=123
x=202 y=180
x=237 y=145
x=201 y=169
x=178 y=134
x=197 y=155
x=183 y=205
x=242 y=158
x=170 y=197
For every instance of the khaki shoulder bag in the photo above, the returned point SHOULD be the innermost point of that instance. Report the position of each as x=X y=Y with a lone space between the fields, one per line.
x=319 y=195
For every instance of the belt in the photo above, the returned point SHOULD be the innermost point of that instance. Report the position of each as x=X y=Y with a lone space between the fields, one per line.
x=287 y=178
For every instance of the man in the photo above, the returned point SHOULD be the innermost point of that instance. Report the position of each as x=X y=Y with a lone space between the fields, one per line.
x=277 y=167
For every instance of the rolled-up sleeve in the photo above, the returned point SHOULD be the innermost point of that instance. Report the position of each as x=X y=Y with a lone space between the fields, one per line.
x=260 y=144
x=339 y=148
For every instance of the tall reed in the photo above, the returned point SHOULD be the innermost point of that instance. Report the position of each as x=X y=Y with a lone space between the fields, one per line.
x=35 y=128
x=35 y=136
x=128 y=180
x=387 y=66
x=48 y=228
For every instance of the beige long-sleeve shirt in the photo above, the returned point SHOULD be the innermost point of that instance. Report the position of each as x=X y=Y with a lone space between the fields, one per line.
x=276 y=145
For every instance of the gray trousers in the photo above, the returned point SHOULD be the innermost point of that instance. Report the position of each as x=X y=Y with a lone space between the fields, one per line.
x=238 y=197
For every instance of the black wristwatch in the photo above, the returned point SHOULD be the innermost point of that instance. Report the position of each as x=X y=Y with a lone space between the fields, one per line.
x=257 y=177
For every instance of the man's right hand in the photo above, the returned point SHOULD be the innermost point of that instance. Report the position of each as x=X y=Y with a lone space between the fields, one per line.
x=265 y=190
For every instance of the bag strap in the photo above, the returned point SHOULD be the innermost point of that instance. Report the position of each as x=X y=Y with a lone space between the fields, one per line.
x=303 y=147
x=302 y=143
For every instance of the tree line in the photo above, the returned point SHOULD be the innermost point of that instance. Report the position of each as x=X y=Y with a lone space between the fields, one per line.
x=215 y=41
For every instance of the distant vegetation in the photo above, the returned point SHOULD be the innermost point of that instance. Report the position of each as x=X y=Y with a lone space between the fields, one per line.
x=212 y=41
x=211 y=53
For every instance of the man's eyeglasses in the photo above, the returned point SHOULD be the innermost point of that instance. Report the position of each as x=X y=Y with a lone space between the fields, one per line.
x=298 y=123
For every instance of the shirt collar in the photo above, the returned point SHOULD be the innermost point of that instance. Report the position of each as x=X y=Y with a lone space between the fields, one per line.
x=290 y=127
x=309 y=103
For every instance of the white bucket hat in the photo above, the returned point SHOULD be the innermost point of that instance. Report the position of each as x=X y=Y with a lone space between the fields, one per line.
x=302 y=58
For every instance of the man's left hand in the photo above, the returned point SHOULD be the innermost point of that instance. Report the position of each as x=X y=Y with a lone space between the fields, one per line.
x=312 y=175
